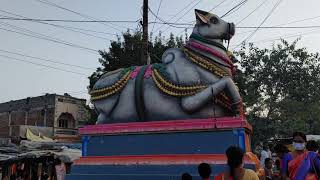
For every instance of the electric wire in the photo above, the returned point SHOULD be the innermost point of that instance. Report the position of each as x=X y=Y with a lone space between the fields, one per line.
x=176 y=14
x=254 y=10
x=263 y=21
x=47 y=60
x=45 y=36
x=43 y=65
x=183 y=15
x=80 y=14
x=237 y=6
x=156 y=15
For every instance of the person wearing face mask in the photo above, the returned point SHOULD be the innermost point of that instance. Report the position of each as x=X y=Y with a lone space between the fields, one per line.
x=304 y=164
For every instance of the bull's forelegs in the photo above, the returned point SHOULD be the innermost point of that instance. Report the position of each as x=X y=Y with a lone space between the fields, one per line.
x=195 y=102
x=102 y=119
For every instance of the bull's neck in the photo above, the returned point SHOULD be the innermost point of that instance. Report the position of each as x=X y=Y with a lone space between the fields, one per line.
x=215 y=44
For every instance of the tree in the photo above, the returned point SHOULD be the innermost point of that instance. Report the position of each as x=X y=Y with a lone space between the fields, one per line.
x=280 y=89
x=126 y=52
x=92 y=115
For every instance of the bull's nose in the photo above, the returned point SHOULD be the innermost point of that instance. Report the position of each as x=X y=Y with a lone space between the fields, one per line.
x=232 y=29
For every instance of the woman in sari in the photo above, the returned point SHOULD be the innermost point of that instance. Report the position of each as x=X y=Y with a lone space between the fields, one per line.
x=301 y=164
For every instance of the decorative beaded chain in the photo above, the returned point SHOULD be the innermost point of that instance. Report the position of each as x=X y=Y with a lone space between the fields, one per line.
x=107 y=91
x=206 y=64
x=172 y=89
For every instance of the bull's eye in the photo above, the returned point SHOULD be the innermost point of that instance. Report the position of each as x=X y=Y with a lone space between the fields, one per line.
x=214 y=20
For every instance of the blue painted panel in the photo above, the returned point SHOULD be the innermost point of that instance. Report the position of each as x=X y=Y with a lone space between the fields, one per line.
x=123 y=177
x=214 y=142
x=85 y=140
x=139 y=172
x=242 y=140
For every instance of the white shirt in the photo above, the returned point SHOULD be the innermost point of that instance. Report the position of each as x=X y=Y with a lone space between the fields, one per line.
x=264 y=155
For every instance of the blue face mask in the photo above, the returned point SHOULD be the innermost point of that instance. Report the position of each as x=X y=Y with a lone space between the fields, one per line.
x=298 y=146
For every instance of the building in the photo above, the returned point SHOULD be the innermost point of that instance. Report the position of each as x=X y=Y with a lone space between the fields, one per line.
x=50 y=115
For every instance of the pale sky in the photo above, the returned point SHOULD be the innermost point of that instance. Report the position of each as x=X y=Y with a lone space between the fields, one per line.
x=20 y=79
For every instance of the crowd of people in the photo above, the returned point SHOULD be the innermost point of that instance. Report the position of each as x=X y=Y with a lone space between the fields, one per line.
x=302 y=163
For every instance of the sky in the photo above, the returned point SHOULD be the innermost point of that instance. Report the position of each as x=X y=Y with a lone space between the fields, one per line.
x=22 y=76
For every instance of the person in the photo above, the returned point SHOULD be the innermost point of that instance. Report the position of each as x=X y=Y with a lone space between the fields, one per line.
x=186 y=176
x=60 y=170
x=204 y=171
x=265 y=153
x=284 y=157
x=312 y=145
x=236 y=171
x=302 y=164
x=265 y=173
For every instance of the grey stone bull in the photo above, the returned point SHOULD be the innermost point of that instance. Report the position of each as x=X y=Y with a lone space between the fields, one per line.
x=157 y=105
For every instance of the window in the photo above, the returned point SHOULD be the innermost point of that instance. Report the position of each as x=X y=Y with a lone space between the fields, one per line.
x=63 y=123
x=66 y=120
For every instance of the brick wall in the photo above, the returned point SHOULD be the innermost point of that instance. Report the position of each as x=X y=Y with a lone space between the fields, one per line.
x=17 y=118
x=4 y=121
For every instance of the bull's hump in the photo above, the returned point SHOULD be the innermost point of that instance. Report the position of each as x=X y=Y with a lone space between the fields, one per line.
x=171 y=55
x=108 y=79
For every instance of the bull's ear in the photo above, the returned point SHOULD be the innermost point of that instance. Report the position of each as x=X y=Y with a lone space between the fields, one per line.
x=201 y=16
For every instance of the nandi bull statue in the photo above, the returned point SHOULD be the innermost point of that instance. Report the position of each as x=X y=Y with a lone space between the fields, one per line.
x=190 y=83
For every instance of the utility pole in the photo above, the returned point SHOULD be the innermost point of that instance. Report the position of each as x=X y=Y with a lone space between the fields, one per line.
x=145 y=55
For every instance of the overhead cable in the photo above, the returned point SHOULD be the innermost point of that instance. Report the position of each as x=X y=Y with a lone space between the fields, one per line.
x=263 y=21
x=43 y=65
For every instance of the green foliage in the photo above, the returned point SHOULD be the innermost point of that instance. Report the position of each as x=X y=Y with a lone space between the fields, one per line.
x=92 y=115
x=280 y=89
x=126 y=52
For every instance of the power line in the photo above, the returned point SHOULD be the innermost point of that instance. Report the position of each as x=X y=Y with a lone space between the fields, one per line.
x=163 y=21
x=47 y=66
x=184 y=14
x=47 y=60
x=281 y=37
x=255 y=9
x=237 y=6
x=67 y=20
x=216 y=6
x=156 y=15
x=264 y=20
x=289 y=27
x=43 y=37
x=80 y=14
x=278 y=26
x=71 y=29
x=177 y=14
